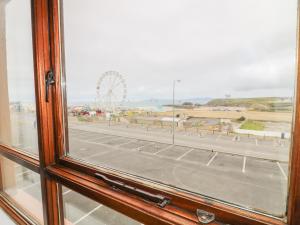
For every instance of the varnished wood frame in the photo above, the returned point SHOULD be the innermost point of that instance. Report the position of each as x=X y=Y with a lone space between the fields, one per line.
x=45 y=111
x=52 y=144
x=21 y=158
x=13 y=211
x=50 y=190
x=293 y=207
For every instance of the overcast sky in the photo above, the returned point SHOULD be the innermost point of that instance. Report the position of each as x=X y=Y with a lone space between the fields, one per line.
x=215 y=47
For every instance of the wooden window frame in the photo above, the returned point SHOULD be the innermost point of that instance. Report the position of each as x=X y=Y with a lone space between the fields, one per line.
x=56 y=168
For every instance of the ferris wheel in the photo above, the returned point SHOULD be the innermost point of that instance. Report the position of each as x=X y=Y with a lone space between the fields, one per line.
x=111 y=91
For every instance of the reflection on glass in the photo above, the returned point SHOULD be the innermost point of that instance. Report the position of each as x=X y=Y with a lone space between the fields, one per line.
x=23 y=187
x=84 y=211
x=17 y=98
x=193 y=94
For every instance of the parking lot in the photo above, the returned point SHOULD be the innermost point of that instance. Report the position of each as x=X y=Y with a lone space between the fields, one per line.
x=246 y=181
x=207 y=164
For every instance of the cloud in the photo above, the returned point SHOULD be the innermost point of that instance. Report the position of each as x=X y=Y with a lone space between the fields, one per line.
x=215 y=47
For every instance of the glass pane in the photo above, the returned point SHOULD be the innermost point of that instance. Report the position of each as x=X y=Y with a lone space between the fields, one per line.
x=5 y=218
x=17 y=98
x=81 y=210
x=189 y=93
x=23 y=187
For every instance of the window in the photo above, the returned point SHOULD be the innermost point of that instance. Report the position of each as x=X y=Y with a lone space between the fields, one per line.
x=149 y=112
x=185 y=95
x=18 y=113
x=82 y=210
x=22 y=186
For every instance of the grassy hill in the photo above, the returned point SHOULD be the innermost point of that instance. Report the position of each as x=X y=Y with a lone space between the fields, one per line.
x=269 y=104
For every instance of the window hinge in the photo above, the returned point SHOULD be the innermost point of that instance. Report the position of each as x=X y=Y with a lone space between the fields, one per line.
x=160 y=200
x=205 y=217
x=49 y=80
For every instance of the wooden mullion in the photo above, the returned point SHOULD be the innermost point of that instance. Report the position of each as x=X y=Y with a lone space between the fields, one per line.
x=21 y=158
x=293 y=209
x=59 y=93
x=44 y=110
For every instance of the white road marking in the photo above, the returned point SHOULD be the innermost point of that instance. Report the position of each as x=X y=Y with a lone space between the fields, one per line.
x=86 y=215
x=100 y=153
x=212 y=159
x=98 y=139
x=67 y=192
x=244 y=164
x=139 y=148
x=184 y=154
x=282 y=171
x=129 y=142
x=164 y=149
x=113 y=139
x=256 y=142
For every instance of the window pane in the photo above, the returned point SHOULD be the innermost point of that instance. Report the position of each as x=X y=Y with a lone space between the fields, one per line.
x=84 y=211
x=23 y=186
x=193 y=94
x=17 y=98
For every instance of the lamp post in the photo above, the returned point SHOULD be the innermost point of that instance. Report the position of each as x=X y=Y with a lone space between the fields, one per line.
x=173 y=124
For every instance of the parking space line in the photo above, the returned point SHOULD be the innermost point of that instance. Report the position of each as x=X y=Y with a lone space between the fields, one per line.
x=113 y=139
x=139 y=148
x=92 y=140
x=184 y=154
x=86 y=215
x=129 y=142
x=212 y=159
x=282 y=171
x=100 y=153
x=67 y=192
x=244 y=164
x=164 y=149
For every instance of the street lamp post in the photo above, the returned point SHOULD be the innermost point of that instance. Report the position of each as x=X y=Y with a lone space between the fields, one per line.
x=173 y=124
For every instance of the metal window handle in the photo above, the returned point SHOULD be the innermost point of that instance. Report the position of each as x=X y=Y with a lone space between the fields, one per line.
x=205 y=217
x=160 y=200
x=49 y=81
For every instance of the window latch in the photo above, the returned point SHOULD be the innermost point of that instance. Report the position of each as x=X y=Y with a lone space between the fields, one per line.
x=49 y=81
x=160 y=200
x=205 y=217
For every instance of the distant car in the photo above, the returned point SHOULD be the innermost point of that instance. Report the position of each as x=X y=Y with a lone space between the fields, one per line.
x=83 y=113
